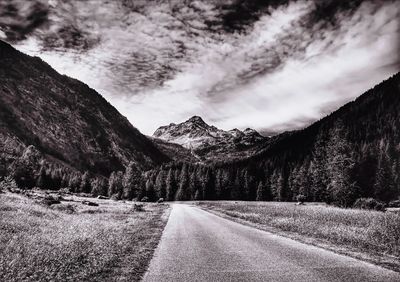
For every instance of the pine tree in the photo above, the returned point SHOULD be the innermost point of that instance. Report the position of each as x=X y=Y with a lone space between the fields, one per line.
x=159 y=185
x=99 y=186
x=43 y=181
x=193 y=184
x=85 y=183
x=226 y=183
x=150 y=193
x=197 y=195
x=74 y=182
x=115 y=185
x=319 y=171
x=236 y=187
x=209 y=189
x=277 y=186
x=293 y=181
x=183 y=185
x=218 y=184
x=250 y=187
x=131 y=181
x=303 y=181
x=343 y=189
x=260 y=192
x=170 y=185
x=385 y=185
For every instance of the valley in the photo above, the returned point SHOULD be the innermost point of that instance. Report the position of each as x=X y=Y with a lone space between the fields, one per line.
x=209 y=141
x=60 y=138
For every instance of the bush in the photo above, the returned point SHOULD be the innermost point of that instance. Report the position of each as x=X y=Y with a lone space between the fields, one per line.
x=8 y=183
x=89 y=203
x=369 y=204
x=394 y=204
x=65 y=190
x=115 y=197
x=138 y=207
x=70 y=209
x=301 y=198
x=49 y=200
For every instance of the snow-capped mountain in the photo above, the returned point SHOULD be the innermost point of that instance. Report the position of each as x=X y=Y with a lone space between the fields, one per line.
x=209 y=141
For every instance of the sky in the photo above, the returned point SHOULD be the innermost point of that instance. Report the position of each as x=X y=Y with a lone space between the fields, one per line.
x=273 y=65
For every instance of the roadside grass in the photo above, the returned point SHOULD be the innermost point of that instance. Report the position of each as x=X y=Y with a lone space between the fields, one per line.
x=375 y=234
x=75 y=242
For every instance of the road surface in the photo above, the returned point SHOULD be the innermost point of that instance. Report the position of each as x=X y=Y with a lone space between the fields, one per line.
x=199 y=246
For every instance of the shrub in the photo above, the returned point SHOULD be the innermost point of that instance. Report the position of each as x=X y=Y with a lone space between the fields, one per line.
x=8 y=183
x=89 y=203
x=115 y=197
x=65 y=190
x=70 y=209
x=394 y=204
x=369 y=204
x=49 y=200
x=138 y=207
x=301 y=198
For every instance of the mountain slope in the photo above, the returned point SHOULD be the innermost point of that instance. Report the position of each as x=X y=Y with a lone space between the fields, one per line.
x=372 y=117
x=352 y=153
x=64 y=119
x=208 y=142
x=175 y=151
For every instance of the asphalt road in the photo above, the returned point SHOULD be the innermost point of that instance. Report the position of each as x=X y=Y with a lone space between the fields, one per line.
x=200 y=246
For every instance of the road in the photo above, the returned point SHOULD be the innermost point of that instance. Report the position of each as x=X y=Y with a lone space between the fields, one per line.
x=199 y=246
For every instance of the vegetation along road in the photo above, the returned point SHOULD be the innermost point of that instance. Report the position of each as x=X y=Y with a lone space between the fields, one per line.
x=199 y=246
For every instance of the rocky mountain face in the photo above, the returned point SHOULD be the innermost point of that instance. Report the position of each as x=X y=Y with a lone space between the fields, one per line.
x=63 y=120
x=175 y=152
x=209 y=142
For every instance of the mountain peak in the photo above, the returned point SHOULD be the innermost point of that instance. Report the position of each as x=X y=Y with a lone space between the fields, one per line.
x=204 y=139
x=196 y=119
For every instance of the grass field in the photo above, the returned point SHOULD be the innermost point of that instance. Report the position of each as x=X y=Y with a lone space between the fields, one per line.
x=75 y=242
x=372 y=235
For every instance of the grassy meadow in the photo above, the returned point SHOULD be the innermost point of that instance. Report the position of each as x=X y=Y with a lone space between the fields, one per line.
x=75 y=242
x=372 y=235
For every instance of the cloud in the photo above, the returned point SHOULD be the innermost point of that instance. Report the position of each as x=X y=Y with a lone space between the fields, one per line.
x=19 y=18
x=330 y=73
x=271 y=65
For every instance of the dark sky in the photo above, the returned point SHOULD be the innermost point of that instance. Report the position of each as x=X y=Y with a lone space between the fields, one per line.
x=270 y=65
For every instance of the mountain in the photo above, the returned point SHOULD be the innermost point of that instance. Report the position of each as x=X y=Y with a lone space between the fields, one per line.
x=208 y=142
x=352 y=153
x=61 y=120
x=175 y=151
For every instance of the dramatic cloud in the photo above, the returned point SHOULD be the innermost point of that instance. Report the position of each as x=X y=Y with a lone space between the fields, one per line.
x=271 y=65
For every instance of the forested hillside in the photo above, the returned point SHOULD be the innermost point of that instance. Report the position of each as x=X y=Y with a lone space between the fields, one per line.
x=352 y=153
x=55 y=131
